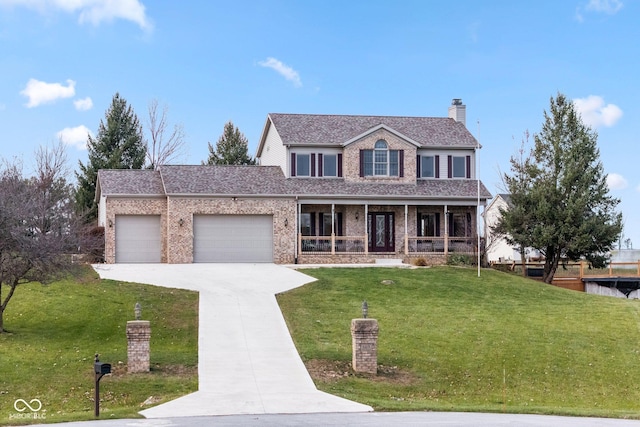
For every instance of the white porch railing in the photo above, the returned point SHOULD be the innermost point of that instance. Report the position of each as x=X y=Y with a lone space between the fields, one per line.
x=318 y=245
x=332 y=244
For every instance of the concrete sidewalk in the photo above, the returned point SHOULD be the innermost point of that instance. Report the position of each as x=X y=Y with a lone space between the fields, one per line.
x=247 y=362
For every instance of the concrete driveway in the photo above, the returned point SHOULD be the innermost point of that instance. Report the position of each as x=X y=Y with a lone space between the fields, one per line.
x=247 y=362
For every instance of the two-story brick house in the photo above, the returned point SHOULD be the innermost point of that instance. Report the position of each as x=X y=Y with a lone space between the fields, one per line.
x=328 y=189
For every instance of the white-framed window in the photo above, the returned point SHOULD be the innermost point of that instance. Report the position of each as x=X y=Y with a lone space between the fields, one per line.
x=380 y=161
x=303 y=165
x=427 y=167
x=330 y=165
x=459 y=166
x=380 y=158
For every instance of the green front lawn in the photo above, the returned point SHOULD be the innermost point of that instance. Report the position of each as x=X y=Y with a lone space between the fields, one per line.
x=451 y=341
x=55 y=330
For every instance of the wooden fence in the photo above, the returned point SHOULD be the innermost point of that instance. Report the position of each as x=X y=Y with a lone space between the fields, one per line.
x=570 y=275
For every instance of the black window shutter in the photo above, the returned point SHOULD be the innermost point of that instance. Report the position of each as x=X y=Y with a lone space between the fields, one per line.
x=449 y=167
x=319 y=164
x=293 y=164
x=418 y=173
x=339 y=224
x=401 y=163
x=340 y=165
x=361 y=163
x=437 y=224
x=313 y=164
x=419 y=225
x=468 y=167
x=437 y=174
x=313 y=224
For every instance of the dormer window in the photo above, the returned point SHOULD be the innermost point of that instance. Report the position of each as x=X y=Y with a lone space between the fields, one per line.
x=381 y=161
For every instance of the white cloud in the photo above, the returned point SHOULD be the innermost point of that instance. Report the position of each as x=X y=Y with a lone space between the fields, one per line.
x=610 y=7
x=615 y=181
x=76 y=137
x=595 y=113
x=91 y=11
x=282 y=69
x=42 y=92
x=83 y=104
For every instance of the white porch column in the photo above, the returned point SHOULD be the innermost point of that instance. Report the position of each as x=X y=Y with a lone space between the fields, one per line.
x=333 y=229
x=297 y=230
x=366 y=231
x=446 y=229
x=406 y=230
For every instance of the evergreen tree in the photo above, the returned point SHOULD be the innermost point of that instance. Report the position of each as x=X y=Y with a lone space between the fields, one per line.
x=231 y=149
x=118 y=145
x=559 y=194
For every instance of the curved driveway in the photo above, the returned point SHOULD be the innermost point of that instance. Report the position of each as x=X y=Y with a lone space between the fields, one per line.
x=247 y=362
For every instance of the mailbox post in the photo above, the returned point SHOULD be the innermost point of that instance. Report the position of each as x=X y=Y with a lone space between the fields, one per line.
x=100 y=369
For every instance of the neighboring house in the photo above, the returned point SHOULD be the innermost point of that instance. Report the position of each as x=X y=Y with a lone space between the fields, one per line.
x=497 y=247
x=328 y=189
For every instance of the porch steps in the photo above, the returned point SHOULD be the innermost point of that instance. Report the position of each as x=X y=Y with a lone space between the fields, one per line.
x=388 y=261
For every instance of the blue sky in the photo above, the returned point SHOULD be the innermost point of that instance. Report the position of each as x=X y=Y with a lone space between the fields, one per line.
x=214 y=61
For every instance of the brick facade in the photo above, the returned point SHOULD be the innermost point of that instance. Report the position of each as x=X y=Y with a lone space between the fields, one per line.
x=181 y=236
x=176 y=221
x=130 y=206
x=351 y=158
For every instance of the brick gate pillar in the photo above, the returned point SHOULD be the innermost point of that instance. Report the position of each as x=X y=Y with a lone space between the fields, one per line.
x=138 y=348
x=364 y=339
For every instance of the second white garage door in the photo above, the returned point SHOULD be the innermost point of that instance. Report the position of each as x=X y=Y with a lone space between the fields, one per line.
x=232 y=238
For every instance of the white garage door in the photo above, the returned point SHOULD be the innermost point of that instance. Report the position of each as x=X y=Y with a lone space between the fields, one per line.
x=232 y=238
x=138 y=238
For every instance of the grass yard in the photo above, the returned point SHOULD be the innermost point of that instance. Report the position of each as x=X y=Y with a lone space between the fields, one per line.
x=55 y=330
x=450 y=341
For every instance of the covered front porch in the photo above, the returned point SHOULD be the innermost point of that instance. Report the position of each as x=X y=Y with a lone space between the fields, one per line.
x=344 y=232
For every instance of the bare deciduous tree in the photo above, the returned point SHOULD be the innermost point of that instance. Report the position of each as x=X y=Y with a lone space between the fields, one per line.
x=38 y=226
x=163 y=146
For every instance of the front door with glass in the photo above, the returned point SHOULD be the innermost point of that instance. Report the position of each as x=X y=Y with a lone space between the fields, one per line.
x=380 y=227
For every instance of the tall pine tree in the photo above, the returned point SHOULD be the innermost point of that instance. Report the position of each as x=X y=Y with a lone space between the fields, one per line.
x=118 y=145
x=561 y=204
x=231 y=149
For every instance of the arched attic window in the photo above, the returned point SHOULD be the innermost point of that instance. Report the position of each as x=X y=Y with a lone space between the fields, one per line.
x=381 y=161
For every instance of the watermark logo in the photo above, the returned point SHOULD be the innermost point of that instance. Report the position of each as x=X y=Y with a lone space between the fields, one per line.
x=28 y=410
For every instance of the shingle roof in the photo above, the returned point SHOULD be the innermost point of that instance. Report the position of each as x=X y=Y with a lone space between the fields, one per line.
x=428 y=188
x=337 y=129
x=270 y=181
x=130 y=182
x=246 y=180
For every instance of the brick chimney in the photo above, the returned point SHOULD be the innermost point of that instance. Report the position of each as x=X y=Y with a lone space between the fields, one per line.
x=458 y=111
